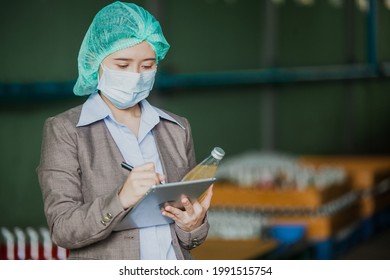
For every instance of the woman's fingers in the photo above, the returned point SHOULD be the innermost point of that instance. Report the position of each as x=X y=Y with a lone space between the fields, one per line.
x=187 y=205
x=190 y=218
x=145 y=167
x=207 y=198
x=147 y=171
x=138 y=182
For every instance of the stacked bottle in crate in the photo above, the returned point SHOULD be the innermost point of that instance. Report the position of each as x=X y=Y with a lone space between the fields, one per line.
x=370 y=177
x=286 y=192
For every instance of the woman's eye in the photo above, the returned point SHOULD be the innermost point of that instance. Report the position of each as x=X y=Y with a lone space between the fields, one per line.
x=123 y=66
x=147 y=66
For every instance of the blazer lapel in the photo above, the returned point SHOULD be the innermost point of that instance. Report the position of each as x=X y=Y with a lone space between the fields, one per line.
x=163 y=152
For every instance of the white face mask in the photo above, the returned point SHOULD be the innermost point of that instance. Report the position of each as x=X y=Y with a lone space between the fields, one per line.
x=125 y=89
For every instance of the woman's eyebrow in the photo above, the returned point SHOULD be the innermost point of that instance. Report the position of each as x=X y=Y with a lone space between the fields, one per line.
x=130 y=59
x=125 y=59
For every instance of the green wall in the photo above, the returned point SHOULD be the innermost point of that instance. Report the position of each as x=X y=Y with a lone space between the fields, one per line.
x=40 y=42
x=21 y=131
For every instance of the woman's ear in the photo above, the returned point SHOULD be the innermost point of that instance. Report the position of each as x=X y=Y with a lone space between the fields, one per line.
x=100 y=71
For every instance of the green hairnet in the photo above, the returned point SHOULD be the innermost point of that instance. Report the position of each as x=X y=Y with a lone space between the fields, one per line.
x=117 y=26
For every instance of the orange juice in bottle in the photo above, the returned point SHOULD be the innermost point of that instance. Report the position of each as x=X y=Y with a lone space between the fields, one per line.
x=207 y=168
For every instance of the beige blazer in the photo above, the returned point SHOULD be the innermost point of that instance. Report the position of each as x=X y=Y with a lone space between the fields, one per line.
x=80 y=176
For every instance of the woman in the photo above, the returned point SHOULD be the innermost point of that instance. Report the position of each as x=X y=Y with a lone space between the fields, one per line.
x=86 y=192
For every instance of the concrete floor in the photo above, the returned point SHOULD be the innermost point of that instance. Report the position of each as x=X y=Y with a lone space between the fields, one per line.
x=377 y=247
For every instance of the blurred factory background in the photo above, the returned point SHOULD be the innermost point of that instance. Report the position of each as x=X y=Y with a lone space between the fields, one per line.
x=297 y=92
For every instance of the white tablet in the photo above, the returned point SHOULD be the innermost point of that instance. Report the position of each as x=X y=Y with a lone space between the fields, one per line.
x=147 y=211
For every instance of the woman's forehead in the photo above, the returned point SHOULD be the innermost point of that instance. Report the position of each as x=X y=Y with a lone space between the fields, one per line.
x=142 y=50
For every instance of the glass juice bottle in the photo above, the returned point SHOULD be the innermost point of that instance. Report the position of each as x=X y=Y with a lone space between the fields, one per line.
x=207 y=168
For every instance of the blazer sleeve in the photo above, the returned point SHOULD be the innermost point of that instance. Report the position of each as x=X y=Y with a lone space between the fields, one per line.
x=73 y=223
x=192 y=239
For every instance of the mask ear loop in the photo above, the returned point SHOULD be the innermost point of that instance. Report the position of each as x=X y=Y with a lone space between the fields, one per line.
x=103 y=69
x=98 y=78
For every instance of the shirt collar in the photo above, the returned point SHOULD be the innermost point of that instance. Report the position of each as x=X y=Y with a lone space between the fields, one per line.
x=148 y=108
x=95 y=109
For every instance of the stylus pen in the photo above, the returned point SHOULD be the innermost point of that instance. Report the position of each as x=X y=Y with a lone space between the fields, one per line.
x=127 y=166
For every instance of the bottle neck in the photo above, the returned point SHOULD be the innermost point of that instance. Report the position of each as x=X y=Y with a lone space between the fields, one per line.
x=210 y=161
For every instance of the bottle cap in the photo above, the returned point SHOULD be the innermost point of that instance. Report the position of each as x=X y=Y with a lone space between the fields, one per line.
x=218 y=153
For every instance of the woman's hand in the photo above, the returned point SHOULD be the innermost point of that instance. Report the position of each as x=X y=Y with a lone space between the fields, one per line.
x=139 y=181
x=193 y=215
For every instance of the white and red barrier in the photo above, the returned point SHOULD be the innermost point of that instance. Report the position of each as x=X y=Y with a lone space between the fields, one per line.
x=29 y=244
